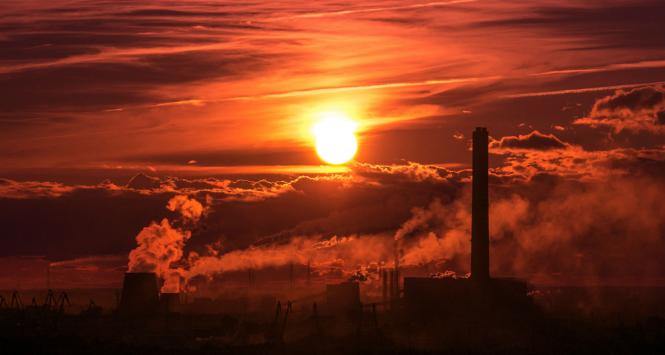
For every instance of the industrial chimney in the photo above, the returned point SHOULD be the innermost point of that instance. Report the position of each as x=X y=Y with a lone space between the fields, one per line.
x=480 y=255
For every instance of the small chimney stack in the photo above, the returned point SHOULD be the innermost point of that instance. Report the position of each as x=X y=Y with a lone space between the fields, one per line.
x=384 y=277
x=309 y=272
x=292 y=280
x=391 y=286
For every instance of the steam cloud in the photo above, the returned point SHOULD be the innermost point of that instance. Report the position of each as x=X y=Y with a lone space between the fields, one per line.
x=161 y=244
x=546 y=229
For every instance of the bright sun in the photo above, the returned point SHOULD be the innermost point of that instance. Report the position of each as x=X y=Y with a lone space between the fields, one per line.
x=335 y=137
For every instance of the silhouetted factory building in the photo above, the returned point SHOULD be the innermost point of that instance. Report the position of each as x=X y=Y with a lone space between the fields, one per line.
x=423 y=296
x=480 y=293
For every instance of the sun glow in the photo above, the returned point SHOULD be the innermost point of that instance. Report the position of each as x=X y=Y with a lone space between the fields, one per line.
x=335 y=138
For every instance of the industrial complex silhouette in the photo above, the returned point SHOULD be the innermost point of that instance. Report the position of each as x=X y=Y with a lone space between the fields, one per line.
x=422 y=296
x=478 y=313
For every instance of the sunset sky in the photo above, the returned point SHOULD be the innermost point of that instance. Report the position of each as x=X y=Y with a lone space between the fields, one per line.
x=109 y=109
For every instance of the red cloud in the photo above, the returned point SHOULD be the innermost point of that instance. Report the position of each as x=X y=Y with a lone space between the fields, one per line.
x=527 y=156
x=532 y=141
x=640 y=109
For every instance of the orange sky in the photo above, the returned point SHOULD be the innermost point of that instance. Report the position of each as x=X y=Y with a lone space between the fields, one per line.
x=218 y=98
x=228 y=84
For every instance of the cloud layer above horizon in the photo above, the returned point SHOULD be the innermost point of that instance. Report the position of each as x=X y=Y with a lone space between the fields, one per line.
x=109 y=111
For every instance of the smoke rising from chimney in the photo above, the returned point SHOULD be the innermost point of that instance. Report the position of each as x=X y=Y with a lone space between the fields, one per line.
x=190 y=210
x=549 y=228
x=160 y=245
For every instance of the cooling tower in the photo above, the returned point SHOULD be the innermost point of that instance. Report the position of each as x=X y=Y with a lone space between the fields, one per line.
x=169 y=302
x=140 y=295
x=480 y=255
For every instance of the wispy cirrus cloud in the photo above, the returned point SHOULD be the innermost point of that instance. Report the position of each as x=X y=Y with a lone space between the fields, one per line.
x=584 y=90
x=373 y=9
x=138 y=79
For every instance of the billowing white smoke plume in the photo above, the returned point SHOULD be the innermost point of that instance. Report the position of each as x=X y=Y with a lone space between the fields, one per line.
x=599 y=231
x=160 y=245
x=190 y=209
x=345 y=255
x=435 y=234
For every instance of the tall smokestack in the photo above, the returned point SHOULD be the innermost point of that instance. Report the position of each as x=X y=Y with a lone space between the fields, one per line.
x=480 y=251
x=250 y=278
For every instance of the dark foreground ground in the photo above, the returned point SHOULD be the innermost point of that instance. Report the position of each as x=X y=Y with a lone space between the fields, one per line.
x=304 y=334
x=561 y=321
